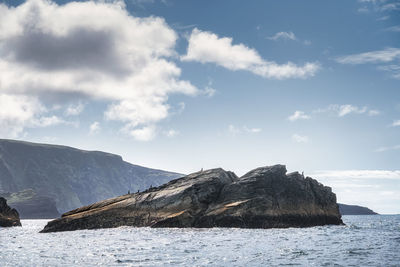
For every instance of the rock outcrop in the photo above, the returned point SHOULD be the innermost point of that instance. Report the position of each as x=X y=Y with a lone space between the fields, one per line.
x=32 y=206
x=266 y=197
x=355 y=210
x=69 y=176
x=8 y=216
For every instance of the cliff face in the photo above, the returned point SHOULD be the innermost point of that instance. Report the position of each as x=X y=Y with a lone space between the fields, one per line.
x=263 y=198
x=355 y=210
x=8 y=216
x=69 y=176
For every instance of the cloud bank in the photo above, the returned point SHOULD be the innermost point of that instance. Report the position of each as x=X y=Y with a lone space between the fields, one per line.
x=92 y=49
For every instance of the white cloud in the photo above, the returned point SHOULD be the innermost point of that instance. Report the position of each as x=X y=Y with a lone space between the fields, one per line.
x=74 y=110
x=396 y=123
x=48 y=48
x=347 y=109
x=238 y=130
x=359 y=174
x=252 y=130
x=283 y=35
x=388 y=148
x=298 y=115
x=209 y=92
x=142 y=134
x=94 y=128
x=18 y=112
x=207 y=47
x=379 y=56
x=393 y=69
x=343 y=110
x=300 y=138
x=171 y=133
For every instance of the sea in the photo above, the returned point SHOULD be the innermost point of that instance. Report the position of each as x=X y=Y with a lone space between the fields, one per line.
x=364 y=241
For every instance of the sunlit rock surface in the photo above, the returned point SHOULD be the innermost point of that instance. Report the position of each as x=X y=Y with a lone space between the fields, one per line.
x=266 y=197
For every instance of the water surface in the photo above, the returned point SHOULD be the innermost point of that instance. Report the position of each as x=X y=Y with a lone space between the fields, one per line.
x=364 y=241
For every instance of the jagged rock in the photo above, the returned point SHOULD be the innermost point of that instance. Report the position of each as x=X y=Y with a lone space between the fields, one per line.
x=30 y=205
x=8 y=216
x=263 y=198
x=355 y=210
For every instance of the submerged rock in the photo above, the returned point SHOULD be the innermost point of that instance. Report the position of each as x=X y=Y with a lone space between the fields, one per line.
x=8 y=216
x=266 y=197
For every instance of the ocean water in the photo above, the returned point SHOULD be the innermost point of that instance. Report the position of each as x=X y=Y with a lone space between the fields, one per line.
x=364 y=241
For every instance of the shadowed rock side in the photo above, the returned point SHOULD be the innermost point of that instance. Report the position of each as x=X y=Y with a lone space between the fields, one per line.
x=263 y=198
x=8 y=216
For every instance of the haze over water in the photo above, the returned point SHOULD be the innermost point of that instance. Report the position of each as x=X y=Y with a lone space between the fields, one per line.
x=364 y=241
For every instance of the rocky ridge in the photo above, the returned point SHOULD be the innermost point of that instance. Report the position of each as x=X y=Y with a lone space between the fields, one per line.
x=266 y=197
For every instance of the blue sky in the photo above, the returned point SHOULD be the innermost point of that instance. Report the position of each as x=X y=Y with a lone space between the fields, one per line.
x=184 y=85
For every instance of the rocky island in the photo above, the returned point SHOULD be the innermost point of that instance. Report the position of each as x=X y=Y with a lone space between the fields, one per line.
x=8 y=216
x=266 y=197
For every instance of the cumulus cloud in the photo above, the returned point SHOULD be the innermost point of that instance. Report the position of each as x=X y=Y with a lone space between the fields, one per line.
x=171 y=133
x=299 y=115
x=207 y=47
x=18 y=112
x=300 y=138
x=283 y=35
x=94 y=50
x=94 y=128
x=74 y=109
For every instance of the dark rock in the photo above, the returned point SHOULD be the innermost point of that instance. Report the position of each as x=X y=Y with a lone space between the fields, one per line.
x=69 y=176
x=32 y=206
x=8 y=216
x=355 y=210
x=263 y=198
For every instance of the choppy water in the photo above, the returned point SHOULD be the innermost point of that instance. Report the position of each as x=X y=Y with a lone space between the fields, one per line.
x=365 y=241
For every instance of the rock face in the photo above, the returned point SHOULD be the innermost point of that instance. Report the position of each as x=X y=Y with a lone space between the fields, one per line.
x=32 y=206
x=69 y=176
x=355 y=210
x=8 y=216
x=263 y=198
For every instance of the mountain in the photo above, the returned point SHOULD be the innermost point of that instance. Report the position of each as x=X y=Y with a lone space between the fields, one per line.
x=266 y=197
x=69 y=176
x=355 y=210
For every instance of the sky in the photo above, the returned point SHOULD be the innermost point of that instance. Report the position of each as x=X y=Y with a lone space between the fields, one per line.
x=184 y=85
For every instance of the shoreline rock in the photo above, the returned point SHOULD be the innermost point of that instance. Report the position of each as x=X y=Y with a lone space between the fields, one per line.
x=8 y=217
x=266 y=197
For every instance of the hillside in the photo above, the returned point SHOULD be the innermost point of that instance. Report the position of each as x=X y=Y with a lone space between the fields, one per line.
x=355 y=210
x=69 y=176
